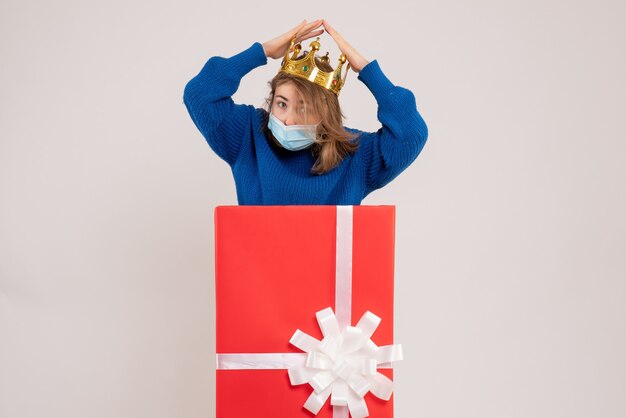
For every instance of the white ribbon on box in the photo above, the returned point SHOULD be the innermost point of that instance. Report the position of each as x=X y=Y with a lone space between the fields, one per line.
x=343 y=365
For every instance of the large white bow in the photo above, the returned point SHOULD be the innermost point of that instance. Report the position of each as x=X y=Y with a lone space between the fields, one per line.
x=344 y=364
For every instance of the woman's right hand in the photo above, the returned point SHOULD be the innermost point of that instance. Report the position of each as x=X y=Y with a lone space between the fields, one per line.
x=277 y=47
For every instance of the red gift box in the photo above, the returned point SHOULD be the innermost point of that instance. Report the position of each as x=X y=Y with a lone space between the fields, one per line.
x=275 y=268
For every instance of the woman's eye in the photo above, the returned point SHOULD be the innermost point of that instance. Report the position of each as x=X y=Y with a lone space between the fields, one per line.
x=281 y=105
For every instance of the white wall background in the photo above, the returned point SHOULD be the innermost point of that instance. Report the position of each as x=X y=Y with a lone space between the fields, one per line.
x=511 y=234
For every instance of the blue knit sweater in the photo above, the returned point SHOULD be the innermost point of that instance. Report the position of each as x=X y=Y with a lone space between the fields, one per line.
x=266 y=174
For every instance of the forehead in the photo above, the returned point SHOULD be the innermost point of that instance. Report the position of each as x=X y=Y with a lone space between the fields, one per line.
x=288 y=91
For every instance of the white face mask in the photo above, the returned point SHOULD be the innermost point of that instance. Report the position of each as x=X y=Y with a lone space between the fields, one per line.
x=293 y=137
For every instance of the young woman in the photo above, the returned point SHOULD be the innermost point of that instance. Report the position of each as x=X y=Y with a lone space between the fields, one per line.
x=297 y=151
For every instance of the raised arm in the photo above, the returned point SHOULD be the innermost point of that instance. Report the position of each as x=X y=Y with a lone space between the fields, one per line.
x=391 y=149
x=209 y=103
x=387 y=152
x=208 y=95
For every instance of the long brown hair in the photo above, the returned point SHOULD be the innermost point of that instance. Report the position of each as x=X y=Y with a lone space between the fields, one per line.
x=333 y=142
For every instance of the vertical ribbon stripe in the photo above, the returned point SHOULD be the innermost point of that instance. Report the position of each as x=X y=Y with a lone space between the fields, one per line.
x=343 y=269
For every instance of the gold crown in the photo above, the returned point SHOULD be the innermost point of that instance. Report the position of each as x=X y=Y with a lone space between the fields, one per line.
x=306 y=68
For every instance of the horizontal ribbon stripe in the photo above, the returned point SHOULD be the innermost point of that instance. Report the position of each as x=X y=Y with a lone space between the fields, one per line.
x=267 y=361
x=243 y=361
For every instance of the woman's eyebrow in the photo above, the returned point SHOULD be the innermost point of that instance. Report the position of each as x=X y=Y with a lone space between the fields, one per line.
x=286 y=99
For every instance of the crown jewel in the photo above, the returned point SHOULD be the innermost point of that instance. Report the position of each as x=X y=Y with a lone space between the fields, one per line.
x=305 y=67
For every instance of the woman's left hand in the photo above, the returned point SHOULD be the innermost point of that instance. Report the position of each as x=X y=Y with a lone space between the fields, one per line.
x=356 y=60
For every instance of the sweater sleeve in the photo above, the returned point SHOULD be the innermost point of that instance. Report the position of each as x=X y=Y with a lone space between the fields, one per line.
x=402 y=136
x=208 y=100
